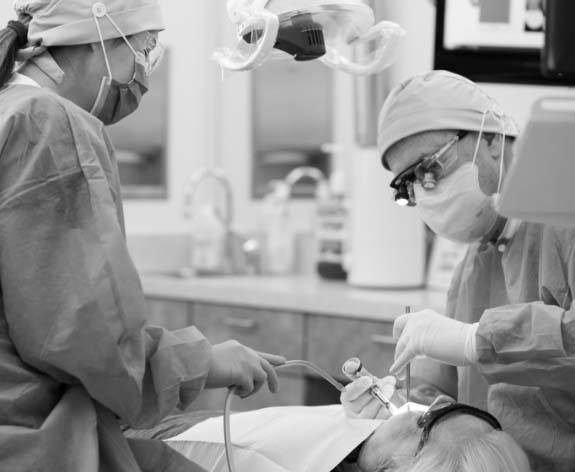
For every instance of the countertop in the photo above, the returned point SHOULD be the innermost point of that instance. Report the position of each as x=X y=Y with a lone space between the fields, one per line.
x=293 y=294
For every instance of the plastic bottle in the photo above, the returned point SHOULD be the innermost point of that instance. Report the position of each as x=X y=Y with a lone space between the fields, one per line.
x=278 y=245
x=209 y=238
x=332 y=228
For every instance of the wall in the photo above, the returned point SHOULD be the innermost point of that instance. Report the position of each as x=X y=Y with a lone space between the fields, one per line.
x=210 y=118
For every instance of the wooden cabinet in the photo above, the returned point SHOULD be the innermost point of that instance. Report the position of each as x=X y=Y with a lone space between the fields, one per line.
x=263 y=330
x=331 y=341
x=324 y=340
x=168 y=314
x=291 y=393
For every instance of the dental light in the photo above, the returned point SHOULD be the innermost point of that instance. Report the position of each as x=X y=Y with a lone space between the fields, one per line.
x=341 y=33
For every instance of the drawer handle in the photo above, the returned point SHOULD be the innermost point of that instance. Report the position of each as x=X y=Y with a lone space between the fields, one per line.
x=382 y=340
x=242 y=323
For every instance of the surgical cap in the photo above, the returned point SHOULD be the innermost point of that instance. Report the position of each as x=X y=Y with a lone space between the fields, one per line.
x=439 y=100
x=72 y=22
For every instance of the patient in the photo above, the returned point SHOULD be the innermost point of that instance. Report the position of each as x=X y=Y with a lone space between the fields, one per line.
x=448 y=438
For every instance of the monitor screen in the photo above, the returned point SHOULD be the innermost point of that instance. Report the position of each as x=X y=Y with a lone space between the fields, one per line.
x=498 y=41
x=499 y=24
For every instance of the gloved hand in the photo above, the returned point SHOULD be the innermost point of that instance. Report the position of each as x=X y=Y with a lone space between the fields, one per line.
x=235 y=365
x=358 y=402
x=433 y=335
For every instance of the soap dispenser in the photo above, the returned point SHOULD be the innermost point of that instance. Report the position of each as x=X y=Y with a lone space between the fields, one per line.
x=210 y=227
x=332 y=227
x=278 y=245
x=209 y=241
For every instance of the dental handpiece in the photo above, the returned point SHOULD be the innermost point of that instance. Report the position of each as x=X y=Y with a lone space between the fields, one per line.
x=353 y=369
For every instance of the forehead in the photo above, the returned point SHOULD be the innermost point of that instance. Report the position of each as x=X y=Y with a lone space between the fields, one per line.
x=412 y=149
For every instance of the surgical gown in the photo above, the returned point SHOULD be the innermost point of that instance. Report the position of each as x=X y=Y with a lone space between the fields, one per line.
x=77 y=359
x=523 y=300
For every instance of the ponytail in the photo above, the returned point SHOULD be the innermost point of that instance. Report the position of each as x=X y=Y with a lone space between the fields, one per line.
x=12 y=38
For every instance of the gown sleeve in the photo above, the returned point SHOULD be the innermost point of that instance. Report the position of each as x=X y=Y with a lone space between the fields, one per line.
x=72 y=298
x=533 y=344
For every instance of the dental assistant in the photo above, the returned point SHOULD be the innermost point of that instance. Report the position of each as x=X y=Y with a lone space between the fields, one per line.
x=510 y=324
x=78 y=363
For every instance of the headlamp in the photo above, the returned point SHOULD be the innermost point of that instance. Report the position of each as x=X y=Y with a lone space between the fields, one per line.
x=300 y=37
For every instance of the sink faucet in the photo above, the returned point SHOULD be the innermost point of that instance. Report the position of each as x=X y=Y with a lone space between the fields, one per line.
x=241 y=255
x=218 y=259
x=197 y=179
x=300 y=173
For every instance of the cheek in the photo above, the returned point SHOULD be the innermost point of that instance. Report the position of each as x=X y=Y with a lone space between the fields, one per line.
x=393 y=444
x=488 y=175
x=378 y=450
x=122 y=61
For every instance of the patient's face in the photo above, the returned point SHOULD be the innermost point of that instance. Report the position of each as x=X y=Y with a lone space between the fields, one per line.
x=395 y=439
x=395 y=442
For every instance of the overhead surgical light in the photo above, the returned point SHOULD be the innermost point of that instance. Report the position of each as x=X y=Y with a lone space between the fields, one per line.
x=341 y=33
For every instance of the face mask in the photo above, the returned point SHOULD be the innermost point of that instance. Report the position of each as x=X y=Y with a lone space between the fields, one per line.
x=115 y=101
x=457 y=208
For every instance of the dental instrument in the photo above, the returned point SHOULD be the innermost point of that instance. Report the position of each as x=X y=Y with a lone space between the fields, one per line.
x=407 y=372
x=353 y=369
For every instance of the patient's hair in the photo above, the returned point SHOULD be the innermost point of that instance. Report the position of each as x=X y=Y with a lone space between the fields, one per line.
x=492 y=452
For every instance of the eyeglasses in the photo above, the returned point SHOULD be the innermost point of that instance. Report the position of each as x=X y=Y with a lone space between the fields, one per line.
x=149 y=46
x=431 y=417
x=427 y=171
x=153 y=51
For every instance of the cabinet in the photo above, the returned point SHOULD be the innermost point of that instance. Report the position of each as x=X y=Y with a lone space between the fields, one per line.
x=324 y=340
x=168 y=314
x=331 y=341
x=291 y=393
x=263 y=330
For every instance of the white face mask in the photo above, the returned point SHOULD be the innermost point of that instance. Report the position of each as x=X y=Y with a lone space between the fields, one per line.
x=457 y=209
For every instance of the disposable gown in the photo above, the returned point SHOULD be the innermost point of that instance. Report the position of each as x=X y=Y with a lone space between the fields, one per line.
x=77 y=359
x=523 y=299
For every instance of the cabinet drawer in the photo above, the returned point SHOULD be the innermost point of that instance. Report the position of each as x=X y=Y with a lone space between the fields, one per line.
x=291 y=393
x=168 y=314
x=332 y=341
x=263 y=330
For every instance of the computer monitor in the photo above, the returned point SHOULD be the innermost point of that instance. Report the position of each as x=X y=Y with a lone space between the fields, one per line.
x=540 y=184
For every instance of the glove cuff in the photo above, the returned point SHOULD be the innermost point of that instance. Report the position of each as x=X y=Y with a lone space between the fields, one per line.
x=471 y=354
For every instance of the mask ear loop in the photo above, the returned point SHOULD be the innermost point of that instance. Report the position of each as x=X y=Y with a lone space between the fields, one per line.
x=502 y=163
x=485 y=113
x=120 y=32
x=103 y=46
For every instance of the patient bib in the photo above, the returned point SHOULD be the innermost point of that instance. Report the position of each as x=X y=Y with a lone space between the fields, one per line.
x=284 y=439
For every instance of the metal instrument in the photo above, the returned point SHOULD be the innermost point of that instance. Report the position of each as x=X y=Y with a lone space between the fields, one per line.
x=408 y=372
x=353 y=369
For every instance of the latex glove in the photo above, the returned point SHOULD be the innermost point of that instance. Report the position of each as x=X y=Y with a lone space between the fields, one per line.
x=358 y=402
x=235 y=365
x=430 y=334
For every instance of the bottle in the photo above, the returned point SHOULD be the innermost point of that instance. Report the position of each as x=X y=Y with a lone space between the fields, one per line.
x=209 y=239
x=332 y=226
x=278 y=245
